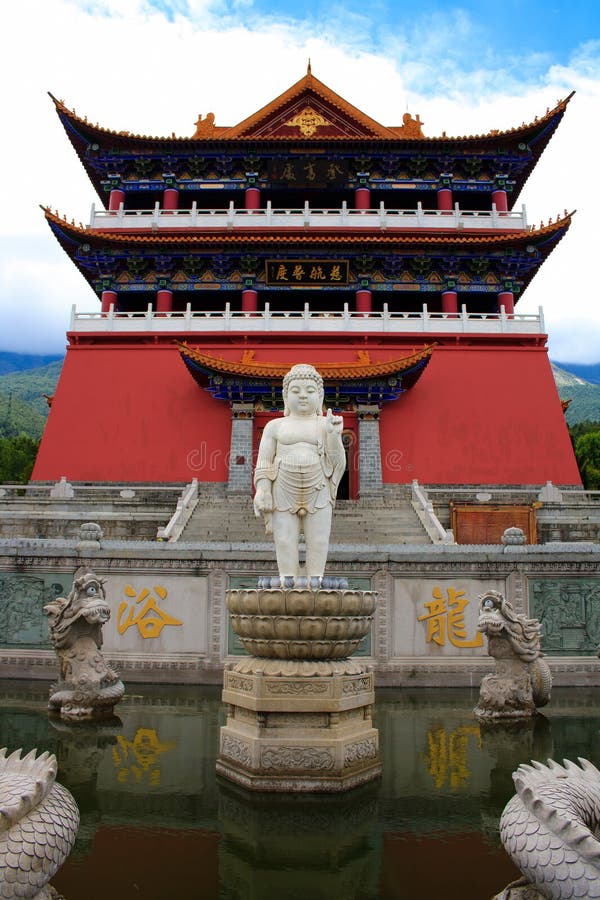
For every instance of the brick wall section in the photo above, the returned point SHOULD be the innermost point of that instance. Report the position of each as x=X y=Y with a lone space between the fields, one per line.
x=240 y=450
x=369 y=447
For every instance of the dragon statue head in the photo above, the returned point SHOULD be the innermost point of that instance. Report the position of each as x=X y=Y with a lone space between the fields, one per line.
x=498 y=620
x=85 y=607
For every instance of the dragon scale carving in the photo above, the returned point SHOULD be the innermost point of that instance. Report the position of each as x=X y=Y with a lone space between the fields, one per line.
x=38 y=825
x=547 y=830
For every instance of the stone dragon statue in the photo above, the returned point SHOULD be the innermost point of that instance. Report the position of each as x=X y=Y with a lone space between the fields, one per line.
x=522 y=680
x=547 y=830
x=38 y=825
x=87 y=687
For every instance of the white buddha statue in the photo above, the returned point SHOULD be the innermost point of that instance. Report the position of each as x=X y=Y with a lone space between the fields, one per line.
x=301 y=459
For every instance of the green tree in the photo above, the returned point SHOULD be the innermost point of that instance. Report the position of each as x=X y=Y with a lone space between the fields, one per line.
x=587 y=451
x=17 y=456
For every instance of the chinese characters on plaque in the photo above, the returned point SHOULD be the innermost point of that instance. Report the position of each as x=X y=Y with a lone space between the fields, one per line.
x=303 y=172
x=307 y=272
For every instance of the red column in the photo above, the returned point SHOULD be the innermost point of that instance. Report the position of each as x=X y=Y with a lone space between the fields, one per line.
x=363 y=301
x=362 y=198
x=507 y=300
x=170 y=198
x=249 y=300
x=444 y=199
x=116 y=198
x=164 y=301
x=450 y=302
x=252 y=198
x=108 y=298
x=499 y=198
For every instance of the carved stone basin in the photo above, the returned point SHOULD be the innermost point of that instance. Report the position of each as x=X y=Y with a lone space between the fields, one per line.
x=299 y=623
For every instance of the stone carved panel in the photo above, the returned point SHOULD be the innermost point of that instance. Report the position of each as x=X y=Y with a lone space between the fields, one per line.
x=358 y=685
x=300 y=758
x=235 y=683
x=23 y=622
x=359 y=750
x=237 y=750
x=569 y=612
x=302 y=688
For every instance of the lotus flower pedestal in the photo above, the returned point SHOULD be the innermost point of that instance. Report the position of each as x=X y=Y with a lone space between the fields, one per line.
x=299 y=708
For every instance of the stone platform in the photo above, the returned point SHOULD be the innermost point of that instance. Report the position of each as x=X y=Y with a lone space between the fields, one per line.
x=299 y=732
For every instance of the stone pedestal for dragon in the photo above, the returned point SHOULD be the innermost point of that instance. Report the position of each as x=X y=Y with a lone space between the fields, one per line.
x=87 y=687
x=522 y=680
x=547 y=830
x=38 y=825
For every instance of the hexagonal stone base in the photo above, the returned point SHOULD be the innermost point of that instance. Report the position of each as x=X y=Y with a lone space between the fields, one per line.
x=299 y=733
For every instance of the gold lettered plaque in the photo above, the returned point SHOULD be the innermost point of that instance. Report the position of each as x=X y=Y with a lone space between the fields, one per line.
x=308 y=272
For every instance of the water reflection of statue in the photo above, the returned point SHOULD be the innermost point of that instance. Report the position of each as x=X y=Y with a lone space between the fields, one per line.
x=300 y=462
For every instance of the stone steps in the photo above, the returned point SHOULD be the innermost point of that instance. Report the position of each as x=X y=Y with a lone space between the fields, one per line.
x=378 y=520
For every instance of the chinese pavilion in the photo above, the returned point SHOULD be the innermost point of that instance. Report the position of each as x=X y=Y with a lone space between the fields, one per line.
x=308 y=232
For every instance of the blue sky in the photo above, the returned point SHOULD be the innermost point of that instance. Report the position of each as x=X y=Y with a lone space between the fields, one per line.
x=151 y=66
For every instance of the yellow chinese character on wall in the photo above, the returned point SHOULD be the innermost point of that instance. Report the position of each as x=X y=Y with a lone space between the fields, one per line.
x=446 y=619
x=317 y=274
x=144 y=612
x=297 y=273
x=281 y=273
x=336 y=274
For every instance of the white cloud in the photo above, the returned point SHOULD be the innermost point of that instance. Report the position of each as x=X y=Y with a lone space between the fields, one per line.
x=128 y=66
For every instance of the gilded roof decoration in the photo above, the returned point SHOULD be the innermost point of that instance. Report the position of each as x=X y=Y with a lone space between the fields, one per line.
x=307 y=121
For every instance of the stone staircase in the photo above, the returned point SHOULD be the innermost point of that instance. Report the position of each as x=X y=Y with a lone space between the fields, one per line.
x=387 y=519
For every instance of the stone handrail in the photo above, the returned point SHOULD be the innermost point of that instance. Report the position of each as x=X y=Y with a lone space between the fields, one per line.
x=424 y=509
x=345 y=319
x=66 y=490
x=307 y=216
x=186 y=505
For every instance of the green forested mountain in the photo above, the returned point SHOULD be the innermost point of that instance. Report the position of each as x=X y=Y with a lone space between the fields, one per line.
x=584 y=396
x=23 y=408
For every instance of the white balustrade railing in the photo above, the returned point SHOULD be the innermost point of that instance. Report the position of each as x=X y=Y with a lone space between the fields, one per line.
x=424 y=509
x=186 y=505
x=309 y=320
x=307 y=217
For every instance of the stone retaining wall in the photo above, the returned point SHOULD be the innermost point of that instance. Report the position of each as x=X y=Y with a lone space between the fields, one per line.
x=169 y=623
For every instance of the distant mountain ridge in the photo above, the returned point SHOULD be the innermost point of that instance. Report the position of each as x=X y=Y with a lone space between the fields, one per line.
x=20 y=362
x=589 y=372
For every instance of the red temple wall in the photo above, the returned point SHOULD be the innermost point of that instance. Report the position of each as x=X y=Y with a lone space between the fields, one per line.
x=479 y=416
x=132 y=414
x=480 y=413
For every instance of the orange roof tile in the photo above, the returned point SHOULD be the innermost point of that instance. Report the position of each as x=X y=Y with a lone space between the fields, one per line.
x=309 y=83
x=354 y=369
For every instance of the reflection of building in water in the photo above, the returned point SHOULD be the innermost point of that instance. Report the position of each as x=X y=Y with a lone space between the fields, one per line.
x=315 y=846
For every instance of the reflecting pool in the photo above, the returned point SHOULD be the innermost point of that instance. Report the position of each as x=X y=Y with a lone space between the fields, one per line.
x=156 y=824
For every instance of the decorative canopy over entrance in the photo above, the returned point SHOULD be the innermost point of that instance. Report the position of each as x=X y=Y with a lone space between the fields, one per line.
x=356 y=381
